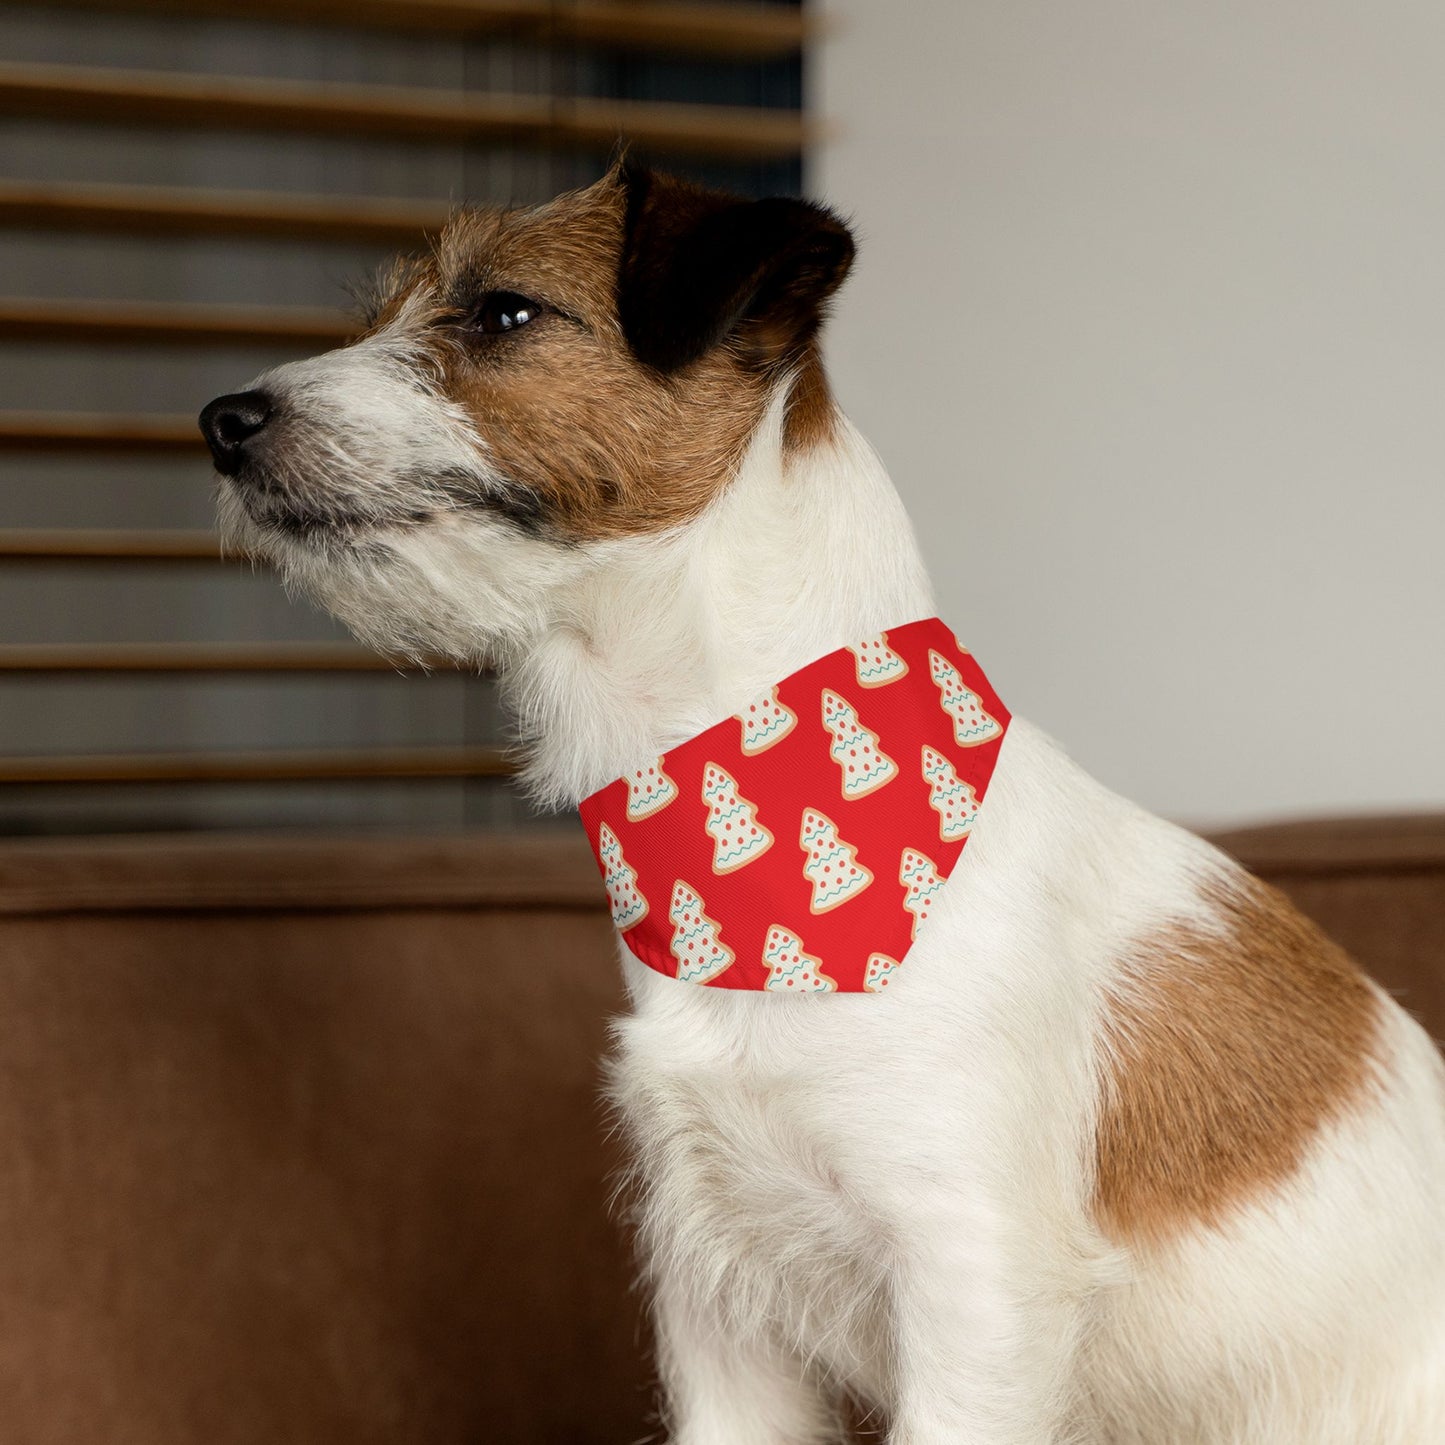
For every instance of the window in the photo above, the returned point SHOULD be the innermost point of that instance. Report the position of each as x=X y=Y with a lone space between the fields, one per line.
x=185 y=192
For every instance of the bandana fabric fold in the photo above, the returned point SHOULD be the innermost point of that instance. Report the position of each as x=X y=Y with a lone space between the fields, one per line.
x=798 y=846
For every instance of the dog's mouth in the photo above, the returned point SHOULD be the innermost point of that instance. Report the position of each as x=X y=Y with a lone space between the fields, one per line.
x=298 y=508
x=294 y=510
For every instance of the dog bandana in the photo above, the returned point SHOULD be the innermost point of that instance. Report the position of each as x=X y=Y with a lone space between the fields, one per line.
x=798 y=846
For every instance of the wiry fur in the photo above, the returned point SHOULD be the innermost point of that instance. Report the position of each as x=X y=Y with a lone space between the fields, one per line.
x=896 y=1196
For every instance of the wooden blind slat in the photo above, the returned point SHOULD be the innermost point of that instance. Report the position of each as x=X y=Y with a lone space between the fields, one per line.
x=218 y=102
x=77 y=431
x=329 y=765
x=81 y=544
x=185 y=657
x=755 y=32
x=171 y=323
x=761 y=32
x=173 y=211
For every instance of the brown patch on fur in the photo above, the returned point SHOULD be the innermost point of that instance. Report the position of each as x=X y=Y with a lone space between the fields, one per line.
x=812 y=417
x=606 y=445
x=597 y=442
x=1228 y=1051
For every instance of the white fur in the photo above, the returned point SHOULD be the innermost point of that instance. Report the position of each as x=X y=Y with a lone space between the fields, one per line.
x=890 y=1194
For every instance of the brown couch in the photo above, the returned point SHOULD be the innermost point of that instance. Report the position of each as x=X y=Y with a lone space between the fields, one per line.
x=302 y=1142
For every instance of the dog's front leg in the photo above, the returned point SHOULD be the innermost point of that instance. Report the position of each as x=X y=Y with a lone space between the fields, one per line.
x=985 y=1338
x=724 y=1387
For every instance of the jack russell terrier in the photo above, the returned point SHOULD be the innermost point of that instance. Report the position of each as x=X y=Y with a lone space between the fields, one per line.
x=1074 y=1134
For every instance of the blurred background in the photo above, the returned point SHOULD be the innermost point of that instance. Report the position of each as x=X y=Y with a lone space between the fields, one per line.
x=1146 y=323
x=301 y=1008
x=1149 y=324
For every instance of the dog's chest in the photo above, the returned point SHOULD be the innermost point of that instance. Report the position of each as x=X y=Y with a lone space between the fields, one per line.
x=753 y=1169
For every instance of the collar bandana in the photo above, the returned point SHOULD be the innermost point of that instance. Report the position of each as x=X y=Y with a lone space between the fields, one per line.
x=798 y=846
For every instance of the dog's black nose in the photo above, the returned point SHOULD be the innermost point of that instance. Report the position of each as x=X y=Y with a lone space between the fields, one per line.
x=229 y=422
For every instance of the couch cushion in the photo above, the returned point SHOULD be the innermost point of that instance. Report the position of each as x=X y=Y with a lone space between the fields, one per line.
x=302 y=1143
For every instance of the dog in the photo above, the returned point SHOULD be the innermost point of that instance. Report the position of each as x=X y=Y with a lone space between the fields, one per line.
x=1129 y=1152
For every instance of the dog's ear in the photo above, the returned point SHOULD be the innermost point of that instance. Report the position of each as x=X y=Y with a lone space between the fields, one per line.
x=699 y=266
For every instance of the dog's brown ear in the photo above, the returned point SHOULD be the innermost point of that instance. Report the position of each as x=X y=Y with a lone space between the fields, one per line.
x=699 y=266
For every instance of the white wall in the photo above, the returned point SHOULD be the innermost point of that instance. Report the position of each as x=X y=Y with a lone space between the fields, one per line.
x=1149 y=324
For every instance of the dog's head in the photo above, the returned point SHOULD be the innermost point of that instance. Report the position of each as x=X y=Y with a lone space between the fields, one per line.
x=545 y=382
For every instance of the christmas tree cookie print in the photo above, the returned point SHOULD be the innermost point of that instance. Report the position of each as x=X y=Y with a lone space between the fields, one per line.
x=949 y=796
x=880 y=969
x=877 y=662
x=765 y=721
x=732 y=822
x=649 y=791
x=629 y=907
x=790 y=970
x=863 y=764
x=921 y=885
x=832 y=866
x=971 y=724
x=701 y=955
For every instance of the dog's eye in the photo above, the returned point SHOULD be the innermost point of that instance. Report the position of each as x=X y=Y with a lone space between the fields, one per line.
x=504 y=311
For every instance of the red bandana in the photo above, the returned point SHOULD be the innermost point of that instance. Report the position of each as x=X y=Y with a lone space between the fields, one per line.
x=798 y=846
